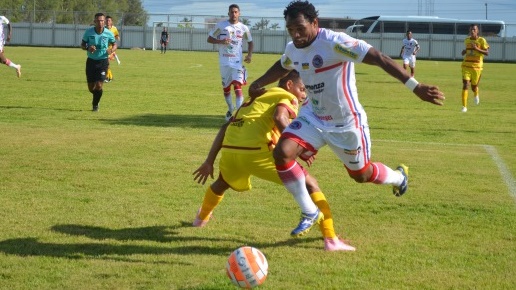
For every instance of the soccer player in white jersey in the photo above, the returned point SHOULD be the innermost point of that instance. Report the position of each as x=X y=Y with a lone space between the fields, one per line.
x=3 y=40
x=332 y=114
x=229 y=36
x=408 y=52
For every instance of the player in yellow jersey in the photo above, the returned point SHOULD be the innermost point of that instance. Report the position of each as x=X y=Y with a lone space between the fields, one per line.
x=246 y=142
x=112 y=28
x=472 y=65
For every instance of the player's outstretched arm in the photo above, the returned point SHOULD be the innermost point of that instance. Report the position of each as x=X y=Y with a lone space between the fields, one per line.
x=206 y=169
x=202 y=173
x=427 y=93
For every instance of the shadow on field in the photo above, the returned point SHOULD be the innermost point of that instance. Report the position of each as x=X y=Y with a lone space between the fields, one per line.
x=169 y=120
x=177 y=244
x=160 y=234
x=42 y=108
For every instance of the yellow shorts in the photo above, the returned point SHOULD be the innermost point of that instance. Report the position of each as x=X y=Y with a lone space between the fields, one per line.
x=236 y=169
x=472 y=75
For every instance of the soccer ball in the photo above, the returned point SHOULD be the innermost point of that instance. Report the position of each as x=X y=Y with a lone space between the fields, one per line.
x=247 y=267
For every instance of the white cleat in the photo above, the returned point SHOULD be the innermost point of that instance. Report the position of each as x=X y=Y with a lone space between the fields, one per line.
x=18 y=70
x=464 y=109
x=477 y=100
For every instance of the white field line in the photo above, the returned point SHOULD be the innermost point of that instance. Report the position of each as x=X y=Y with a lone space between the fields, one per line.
x=491 y=150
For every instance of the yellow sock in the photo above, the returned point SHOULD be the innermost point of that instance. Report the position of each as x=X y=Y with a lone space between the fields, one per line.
x=476 y=92
x=326 y=225
x=211 y=200
x=464 y=98
x=109 y=74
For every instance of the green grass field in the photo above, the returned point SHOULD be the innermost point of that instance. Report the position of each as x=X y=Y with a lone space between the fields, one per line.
x=105 y=200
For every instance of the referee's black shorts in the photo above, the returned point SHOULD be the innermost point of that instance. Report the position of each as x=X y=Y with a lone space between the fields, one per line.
x=96 y=70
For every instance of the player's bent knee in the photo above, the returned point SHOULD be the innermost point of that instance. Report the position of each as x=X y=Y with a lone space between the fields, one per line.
x=360 y=178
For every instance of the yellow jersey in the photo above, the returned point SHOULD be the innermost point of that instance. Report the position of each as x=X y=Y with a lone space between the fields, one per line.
x=115 y=33
x=474 y=59
x=252 y=128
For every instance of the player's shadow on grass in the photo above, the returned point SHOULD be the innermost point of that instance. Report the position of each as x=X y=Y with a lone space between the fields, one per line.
x=161 y=234
x=30 y=246
x=26 y=247
x=42 y=108
x=170 y=120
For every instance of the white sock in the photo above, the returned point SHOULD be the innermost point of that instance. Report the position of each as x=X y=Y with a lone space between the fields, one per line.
x=239 y=101
x=295 y=182
x=229 y=102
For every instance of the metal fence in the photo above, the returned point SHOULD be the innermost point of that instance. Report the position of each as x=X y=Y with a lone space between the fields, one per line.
x=191 y=36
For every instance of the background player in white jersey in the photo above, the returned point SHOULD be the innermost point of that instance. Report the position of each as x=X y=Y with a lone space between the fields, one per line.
x=408 y=52
x=4 y=38
x=332 y=114
x=229 y=35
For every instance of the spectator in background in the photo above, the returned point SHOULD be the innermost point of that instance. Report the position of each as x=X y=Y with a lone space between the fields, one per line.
x=476 y=48
x=5 y=39
x=229 y=36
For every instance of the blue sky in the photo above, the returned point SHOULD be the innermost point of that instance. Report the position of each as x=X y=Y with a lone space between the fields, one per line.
x=463 y=9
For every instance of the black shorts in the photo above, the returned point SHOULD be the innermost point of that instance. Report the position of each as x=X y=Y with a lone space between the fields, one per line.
x=96 y=70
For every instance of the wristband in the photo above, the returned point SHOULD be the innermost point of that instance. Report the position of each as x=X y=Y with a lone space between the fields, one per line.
x=411 y=84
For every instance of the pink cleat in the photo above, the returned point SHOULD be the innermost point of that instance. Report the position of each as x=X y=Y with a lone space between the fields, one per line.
x=199 y=223
x=336 y=244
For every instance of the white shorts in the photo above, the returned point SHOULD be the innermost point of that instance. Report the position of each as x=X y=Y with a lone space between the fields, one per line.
x=352 y=147
x=410 y=60
x=230 y=74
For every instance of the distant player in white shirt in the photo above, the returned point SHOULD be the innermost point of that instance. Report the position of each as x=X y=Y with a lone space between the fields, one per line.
x=3 y=40
x=229 y=35
x=408 y=52
x=332 y=114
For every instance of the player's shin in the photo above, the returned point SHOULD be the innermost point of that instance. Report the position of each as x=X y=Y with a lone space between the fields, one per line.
x=326 y=225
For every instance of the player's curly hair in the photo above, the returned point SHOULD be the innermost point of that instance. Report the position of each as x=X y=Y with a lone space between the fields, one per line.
x=297 y=7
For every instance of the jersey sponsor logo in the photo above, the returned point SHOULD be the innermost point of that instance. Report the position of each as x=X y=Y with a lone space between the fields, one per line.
x=354 y=152
x=315 y=89
x=296 y=125
x=325 y=118
x=317 y=61
x=287 y=62
x=237 y=123
x=305 y=65
x=343 y=49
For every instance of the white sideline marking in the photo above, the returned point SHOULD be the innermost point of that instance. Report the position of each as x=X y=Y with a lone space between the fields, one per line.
x=504 y=171
x=491 y=150
x=196 y=65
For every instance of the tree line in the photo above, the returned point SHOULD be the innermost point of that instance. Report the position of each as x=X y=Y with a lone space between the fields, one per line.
x=124 y=12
